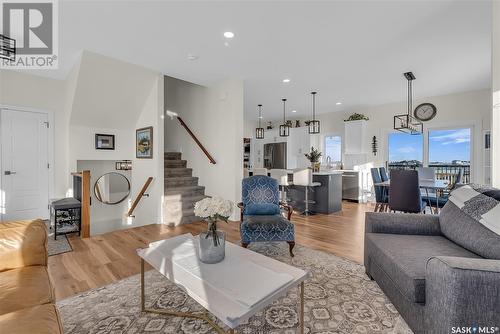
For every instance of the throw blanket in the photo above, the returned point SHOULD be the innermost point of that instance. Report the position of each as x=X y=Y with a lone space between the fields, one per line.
x=481 y=203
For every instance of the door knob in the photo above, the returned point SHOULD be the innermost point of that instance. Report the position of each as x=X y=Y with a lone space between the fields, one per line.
x=8 y=172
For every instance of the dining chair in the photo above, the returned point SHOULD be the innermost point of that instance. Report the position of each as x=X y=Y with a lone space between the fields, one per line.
x=405 y=192
x=281 y=175
x=383 y=174
x=426 y=173
x=380 y=192
x=260 y=171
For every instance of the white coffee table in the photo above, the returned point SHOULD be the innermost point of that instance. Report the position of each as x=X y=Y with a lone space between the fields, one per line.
x=232 y=290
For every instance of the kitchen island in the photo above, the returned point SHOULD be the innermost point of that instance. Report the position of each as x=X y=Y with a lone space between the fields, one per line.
x=327 y=196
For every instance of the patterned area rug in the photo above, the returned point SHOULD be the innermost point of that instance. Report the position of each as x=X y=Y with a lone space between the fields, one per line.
x=59 y=246
x=339 y=298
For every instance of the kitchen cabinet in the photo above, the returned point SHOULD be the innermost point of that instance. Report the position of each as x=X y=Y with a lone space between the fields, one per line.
x=355 y=138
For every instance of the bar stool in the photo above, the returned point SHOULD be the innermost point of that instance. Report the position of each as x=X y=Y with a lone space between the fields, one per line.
x=303 y=178
x=260 y=171
x=281 y=175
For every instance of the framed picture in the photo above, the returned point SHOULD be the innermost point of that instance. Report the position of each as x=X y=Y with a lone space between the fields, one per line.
x=104 y=141
x=144 y=143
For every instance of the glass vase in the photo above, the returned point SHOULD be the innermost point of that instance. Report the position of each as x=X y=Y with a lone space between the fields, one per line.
x=212 y=245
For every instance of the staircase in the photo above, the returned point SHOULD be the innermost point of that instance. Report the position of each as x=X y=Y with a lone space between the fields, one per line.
x=181 y=191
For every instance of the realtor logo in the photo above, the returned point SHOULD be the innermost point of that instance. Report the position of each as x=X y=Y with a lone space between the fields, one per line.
x=34 y=26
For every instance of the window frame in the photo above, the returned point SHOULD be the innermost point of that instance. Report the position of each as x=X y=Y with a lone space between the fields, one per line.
x=426 y=138
x=323 y=146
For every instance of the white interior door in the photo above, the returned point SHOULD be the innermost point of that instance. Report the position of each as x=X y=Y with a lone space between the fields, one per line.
x=25 y=169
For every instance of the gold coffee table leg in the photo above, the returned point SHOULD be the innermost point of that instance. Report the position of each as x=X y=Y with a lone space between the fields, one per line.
x=302 y=308
x=203 y=316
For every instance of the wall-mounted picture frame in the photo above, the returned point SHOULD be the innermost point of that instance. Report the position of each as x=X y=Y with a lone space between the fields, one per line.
x=144 y=143
x=104 y=141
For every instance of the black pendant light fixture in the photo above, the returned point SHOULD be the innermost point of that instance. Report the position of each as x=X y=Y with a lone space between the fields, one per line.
x=259 y=132
x=407 y=123
x=314 y=123
x=284 y=128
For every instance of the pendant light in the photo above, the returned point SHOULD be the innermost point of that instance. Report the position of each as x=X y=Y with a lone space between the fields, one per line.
x=314 y=123
x=259 y=132
x=284 y=128
x=406 y=122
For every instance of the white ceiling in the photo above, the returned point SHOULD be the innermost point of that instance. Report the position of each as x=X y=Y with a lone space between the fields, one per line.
x=349 y=51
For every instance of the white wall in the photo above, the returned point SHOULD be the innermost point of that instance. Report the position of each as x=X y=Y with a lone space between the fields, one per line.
x=495 y=129
x=149 y=210
x=215 y=115
x=464 y=109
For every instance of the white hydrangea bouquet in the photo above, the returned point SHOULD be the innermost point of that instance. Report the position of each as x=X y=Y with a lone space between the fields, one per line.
x=213 y=209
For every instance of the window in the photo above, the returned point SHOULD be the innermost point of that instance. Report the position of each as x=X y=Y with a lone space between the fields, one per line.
x=333 y=148
x=450 y=152
x=405 y=151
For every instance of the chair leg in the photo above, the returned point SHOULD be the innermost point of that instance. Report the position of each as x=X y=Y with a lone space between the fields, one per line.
x=291 y=244
x=376 y=207
x=245 y=244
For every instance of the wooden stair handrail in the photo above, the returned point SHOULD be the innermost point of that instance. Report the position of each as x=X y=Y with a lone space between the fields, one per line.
x=200 y=145
x=139 y=196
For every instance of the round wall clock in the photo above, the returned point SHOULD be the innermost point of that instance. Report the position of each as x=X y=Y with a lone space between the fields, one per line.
x=425 y=112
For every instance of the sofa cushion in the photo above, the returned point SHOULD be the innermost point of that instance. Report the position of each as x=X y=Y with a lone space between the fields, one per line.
x=24 y=287
x=404 y=258
x=266 y=228
x=42 y=319
x=23 y=243
x=468 y=232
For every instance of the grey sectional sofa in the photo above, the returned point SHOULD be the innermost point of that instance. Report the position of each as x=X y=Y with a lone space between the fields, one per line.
x=441 y=272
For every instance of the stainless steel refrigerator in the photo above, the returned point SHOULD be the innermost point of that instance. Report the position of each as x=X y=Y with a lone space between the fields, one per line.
x=275 y=156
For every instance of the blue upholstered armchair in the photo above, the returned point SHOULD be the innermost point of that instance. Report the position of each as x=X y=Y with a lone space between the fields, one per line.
x=261 y=217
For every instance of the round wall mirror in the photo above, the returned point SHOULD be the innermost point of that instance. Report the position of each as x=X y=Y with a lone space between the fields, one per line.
x=112 y=188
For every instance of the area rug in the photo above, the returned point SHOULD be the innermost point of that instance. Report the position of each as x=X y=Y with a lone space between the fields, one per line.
x=339 y=298
x=59 y=246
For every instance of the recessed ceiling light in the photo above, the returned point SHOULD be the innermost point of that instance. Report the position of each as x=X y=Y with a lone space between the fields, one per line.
x=192 y=57
x=261 y=117
x=294 y=110
x=229 y=34
x=286 y=80
x=338 y=103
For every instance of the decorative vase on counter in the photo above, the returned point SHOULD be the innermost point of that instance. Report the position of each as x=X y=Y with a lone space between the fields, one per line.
x=315 y=166
x=212 y=243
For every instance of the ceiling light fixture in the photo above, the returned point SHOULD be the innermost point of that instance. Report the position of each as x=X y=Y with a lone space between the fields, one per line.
x=229 y=34
x=259 y=132
x=406 y=122
x=284 y=128
x=294 y=110
x=286 y=80
x=192 y=57
x=314 y=123
x=338 y=103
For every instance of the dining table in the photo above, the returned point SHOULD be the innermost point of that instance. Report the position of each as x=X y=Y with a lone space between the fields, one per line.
x=427 y=184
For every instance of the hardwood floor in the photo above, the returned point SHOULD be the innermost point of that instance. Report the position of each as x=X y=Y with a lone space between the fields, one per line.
x=107 y=258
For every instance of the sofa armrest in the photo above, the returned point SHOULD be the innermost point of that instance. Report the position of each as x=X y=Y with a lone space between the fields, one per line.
x=22 y=243
x=402 y=223
x=460 y=292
